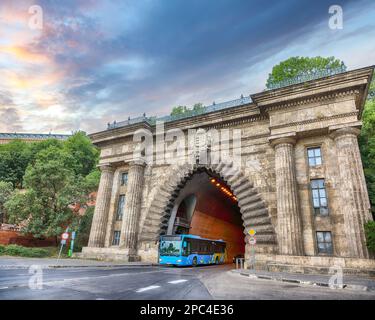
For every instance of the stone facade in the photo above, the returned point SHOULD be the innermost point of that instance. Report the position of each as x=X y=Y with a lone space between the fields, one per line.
x=273 y=186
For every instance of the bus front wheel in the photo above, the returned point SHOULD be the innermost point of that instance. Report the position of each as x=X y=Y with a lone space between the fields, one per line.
x=195 y=261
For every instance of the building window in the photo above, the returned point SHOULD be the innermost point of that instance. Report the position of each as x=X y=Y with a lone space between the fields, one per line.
x=324 y=242
x=319 y=197
x=124 y=178
x=314 y=156
x=116 y=238
x=120 y=207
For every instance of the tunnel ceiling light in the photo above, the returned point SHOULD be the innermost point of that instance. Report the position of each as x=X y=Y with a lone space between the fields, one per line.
x=223 y=189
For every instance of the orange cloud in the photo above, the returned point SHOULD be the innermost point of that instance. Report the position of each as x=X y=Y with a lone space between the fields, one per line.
x=24 y=54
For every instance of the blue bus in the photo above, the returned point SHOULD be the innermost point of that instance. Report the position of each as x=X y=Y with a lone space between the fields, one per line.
x=190 y=250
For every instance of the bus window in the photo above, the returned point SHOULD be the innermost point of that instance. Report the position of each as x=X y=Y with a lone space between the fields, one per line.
x=170 y=248
x=186 y=248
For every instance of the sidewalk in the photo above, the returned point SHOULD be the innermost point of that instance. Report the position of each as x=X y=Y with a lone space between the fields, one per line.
x=8 y=262
x=349 y=282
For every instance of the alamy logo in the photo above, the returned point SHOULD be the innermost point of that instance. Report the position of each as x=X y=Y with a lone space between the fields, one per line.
x=336 y=280
x=335 y=21
x=36 y=279
x=197 y=147
x=36 y=18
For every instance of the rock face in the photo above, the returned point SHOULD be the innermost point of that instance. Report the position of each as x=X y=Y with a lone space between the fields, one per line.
x=299 y=181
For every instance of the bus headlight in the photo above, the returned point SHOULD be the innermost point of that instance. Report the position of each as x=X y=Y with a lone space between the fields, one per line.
x=179 y=260
x=160 y=259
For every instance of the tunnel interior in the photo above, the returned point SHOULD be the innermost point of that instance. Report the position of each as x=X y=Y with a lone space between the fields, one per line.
x=207 y=207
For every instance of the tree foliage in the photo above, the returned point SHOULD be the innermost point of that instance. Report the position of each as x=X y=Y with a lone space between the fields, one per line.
x=6 y=189
x=51 y=189
x=54 y=177
x=299 y=66
x=370 y=235
x=14 y=159
x=184 y=110
x=83 y=232
x=85 y=155
x=367 y=146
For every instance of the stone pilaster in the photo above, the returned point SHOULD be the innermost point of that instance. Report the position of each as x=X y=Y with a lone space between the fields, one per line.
x=355 y=203
x=99 y=222
x=129 y=230
x=288 y=216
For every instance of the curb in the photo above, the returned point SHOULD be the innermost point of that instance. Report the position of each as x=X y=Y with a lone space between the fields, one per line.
x=357 y=287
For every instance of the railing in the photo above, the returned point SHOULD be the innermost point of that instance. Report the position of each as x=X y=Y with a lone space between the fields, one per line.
x=307 y=77
x=228 y=104
x=190 y=113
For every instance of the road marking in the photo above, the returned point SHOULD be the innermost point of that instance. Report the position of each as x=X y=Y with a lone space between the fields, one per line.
x=4 y=288
x=177 y=281
x=147 y=288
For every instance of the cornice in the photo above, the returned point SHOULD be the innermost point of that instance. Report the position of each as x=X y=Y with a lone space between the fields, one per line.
x=311 y=99
x=303 y=122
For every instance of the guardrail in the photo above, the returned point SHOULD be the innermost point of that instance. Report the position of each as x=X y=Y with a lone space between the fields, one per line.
x=191 y=113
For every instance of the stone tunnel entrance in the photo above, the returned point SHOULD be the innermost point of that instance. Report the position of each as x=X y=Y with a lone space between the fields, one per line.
x=206 y=206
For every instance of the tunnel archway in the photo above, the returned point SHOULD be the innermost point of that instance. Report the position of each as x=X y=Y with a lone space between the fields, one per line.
x=253 y=209
x=207 y=207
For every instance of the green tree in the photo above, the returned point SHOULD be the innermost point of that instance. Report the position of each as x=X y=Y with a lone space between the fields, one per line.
x=367 y=146
x=36 y=147
x=52 y=189
x=370 y=235
x=83 y=230
x=6 y=189
x=299 y=66
x=198 y=108
x=85 y=155
x=14 y=159
x=179 y=110
x=183 y=110
x=91 y=181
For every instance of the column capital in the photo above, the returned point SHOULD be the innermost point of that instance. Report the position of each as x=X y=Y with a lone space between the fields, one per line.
x=106 y=167
x=282 y=139
x=139 y=162
x=346 y=131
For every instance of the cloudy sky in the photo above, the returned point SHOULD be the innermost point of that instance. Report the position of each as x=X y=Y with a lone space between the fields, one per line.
x=96 y=61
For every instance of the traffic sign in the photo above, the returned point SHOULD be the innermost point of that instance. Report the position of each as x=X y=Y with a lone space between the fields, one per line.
x=65 y=236
x=63 y=242
x=252 y=241
x=252 y=232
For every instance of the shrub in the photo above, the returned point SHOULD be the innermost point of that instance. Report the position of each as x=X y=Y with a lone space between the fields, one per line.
x=2 y=249
x=15 y=250
x=370 y=235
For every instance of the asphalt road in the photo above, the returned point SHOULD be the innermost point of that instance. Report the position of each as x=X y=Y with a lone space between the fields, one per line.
x=134 y=282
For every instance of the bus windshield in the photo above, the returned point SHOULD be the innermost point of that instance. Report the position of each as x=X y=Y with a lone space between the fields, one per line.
x=170 y=247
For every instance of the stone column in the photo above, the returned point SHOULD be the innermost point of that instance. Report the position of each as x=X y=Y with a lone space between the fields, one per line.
x=129 y=229
x=355 y=203
x=99 y=222
x=288 y=216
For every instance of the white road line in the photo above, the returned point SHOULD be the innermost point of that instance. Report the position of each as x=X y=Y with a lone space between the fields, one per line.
x=4 y=288
x=147 y=288
x=177 y=281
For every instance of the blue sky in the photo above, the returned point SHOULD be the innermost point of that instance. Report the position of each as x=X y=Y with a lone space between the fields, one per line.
x=98 y=61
